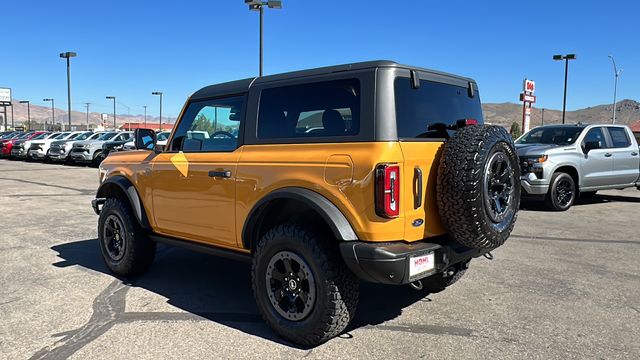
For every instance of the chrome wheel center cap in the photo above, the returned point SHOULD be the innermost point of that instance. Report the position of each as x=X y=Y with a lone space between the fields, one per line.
x=292 y=285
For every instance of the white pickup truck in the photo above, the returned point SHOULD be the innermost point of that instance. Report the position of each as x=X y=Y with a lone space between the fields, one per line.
x=561 y=162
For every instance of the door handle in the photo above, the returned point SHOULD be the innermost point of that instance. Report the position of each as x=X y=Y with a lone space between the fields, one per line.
x=634 y=154
x=607 y=155
x=418 y=183
x=222 y=174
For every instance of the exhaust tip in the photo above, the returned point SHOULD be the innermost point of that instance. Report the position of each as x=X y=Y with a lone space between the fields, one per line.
x=416 y=285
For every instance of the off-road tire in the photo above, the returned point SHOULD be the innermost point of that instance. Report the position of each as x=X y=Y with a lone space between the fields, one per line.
x=551 y=200
x=139 y=249
x=335 y=285
x=461 y=186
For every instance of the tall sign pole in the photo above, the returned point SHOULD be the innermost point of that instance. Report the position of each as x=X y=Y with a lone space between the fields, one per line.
x=5 y=100
x=527 y=98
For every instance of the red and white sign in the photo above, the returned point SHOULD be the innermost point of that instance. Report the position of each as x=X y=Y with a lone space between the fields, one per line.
x=527 y=98
x=421 y=264
x=529 y=86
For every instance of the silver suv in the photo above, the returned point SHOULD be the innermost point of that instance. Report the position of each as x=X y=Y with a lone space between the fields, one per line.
x=60 y=149
x=90 y=151
x=558 y=162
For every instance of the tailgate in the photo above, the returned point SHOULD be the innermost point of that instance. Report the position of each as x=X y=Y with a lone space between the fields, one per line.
x=420 y=157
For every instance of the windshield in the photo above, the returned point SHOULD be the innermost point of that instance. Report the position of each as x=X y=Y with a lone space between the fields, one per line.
x=107 y=136
x=23 y=136
x=7 y=136
x=433 y=109
x=551 y=135
x=94 y=136
x=41 y=136
x=163 y=136
x=52 y=136
x=62 y=136
x=84 y=136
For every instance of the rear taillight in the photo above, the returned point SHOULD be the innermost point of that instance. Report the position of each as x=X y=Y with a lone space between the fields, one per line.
x=388 y=190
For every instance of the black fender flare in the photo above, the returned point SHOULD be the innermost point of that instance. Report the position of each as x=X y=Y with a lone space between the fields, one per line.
x=129 y=190
x=336 y=220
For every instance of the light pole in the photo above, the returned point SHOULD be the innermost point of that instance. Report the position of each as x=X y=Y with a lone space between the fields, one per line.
x=114 y=111
x=28 y=113
x=53 y=113
x=68 y=55
x=257 y=5
x=616 y=73
x=87 y=106
x=566 y=59
x=145 y=115
x=159 y=93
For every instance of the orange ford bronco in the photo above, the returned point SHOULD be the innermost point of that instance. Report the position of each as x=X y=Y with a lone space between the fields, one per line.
x=373 y=171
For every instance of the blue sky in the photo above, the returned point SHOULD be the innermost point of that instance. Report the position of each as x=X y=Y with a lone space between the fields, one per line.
x=131 y=48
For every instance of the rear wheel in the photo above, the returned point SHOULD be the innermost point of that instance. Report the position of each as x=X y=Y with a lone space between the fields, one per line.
x=303 y=289
x=562 y=192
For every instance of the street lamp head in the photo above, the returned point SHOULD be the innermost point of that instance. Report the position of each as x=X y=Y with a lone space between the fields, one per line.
x=557 y=57
x=111 y=97
x=156 y=93
x=24 y=101
x=47 y=99
x=274 y=4
x=570 y=56
x=68 y=54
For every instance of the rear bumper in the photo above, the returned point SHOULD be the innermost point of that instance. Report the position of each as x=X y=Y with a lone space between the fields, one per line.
x=388 y=263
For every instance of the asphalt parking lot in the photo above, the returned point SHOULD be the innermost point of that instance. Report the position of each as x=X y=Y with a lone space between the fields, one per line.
x=566 y=285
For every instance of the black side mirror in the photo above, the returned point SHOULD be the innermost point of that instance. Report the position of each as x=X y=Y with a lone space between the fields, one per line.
x=145 y=139
x=591 y=145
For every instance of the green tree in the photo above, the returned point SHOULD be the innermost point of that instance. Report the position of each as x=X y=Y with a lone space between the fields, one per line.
x=515 y=130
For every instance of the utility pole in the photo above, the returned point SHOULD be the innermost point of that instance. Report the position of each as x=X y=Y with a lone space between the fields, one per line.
x=87 y=106
x=542 y=116
x=258 y=5
x=114 y=111
x=159 y=93
x=145 y=115
x=53 y=113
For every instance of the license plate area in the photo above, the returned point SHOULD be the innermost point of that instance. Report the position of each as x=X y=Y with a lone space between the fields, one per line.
x=421 y=265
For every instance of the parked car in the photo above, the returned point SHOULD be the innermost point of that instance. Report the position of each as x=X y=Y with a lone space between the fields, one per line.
x=21 y=148
x=561 y=162
x=8 y=146
x=40 y=149
x=90 y=151
x=60 y=149
x=361 y=197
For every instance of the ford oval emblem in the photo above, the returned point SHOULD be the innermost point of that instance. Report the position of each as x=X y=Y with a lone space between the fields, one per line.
x=417 y=222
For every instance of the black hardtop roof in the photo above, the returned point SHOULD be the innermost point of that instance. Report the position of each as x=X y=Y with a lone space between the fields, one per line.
x=241 y=86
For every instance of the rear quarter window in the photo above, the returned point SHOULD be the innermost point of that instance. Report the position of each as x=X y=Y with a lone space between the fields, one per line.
x=427 y=111
x=619 y=137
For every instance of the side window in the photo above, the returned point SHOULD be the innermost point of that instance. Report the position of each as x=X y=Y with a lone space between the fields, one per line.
x=596 y=134
x=210 y=125
x=323 y=109
x=619 y=137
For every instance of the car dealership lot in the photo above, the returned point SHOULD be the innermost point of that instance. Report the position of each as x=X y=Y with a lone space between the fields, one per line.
x=566 y=285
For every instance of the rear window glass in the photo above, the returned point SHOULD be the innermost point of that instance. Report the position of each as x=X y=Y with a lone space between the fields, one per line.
x=619 y=137
x=323 y=109
x=426 y=112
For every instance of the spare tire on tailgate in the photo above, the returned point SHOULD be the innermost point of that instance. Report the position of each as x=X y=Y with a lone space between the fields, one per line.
x=479 y=186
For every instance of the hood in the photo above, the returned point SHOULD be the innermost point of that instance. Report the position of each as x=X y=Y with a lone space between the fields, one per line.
x=60 y=142
x=535 y=149
x=88 y=142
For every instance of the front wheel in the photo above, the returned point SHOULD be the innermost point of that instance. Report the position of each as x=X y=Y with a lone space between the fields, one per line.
x=303 y=289
x=125 y=247
x=562 y=192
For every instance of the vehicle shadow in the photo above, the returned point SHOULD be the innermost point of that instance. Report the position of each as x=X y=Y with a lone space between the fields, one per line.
x=538 y=205
x=219 y=289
